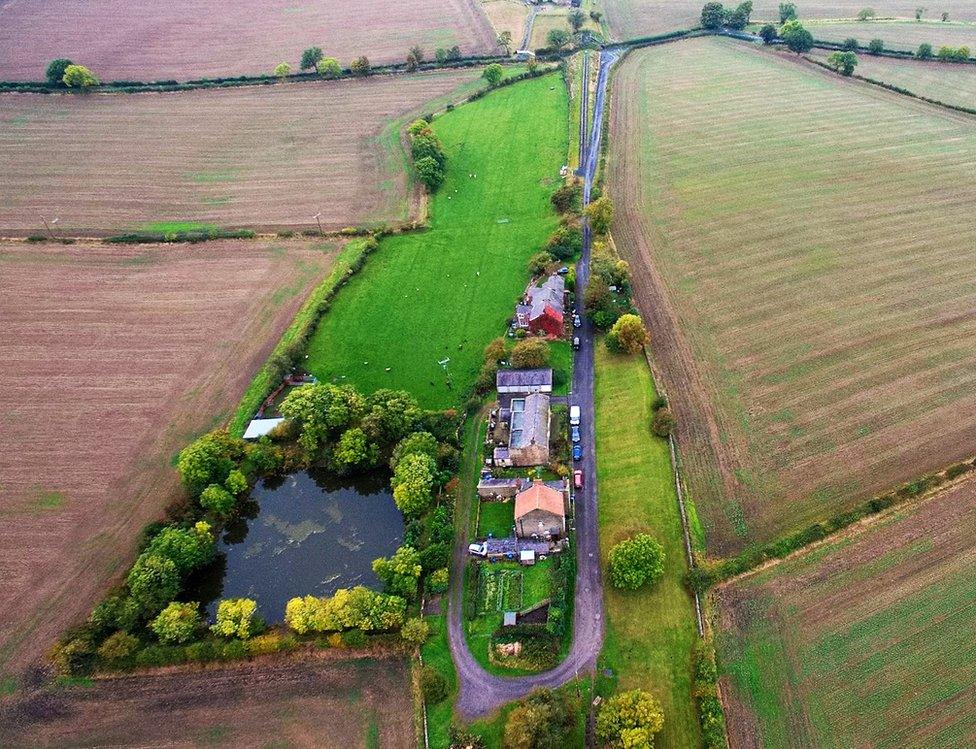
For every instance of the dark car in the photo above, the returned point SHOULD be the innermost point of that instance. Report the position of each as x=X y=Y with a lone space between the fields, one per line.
x=563 y=271
x=577 y=452
x=575 y=434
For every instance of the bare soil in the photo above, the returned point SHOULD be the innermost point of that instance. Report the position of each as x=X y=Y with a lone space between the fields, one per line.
x=111 y=360
x=325 y=702
x=268 y=157
x=183 y=39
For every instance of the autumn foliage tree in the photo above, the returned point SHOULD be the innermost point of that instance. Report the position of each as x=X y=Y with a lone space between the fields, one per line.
x=530 y=353
x=635 y=562
x=628 y=335
x=629 y=719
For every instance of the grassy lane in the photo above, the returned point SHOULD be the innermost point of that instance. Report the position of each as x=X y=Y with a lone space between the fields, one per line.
x=445 y=293
x=650 y=633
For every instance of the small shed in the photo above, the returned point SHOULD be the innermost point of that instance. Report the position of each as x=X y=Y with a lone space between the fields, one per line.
x=260 y=427
x=527 y=557
x=510 y=619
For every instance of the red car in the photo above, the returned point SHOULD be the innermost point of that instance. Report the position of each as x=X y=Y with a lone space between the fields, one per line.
x=578 y=479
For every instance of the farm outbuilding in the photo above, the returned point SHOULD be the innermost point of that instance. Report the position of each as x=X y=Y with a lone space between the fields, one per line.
x=540 y=511
x=510 y=381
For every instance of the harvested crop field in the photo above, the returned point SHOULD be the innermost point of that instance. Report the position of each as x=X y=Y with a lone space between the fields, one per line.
x=951 y=84
x=325 y=702
x=898 y=35
x=866 y=641
x=264 y=156
x=800 y=245
x=113 y=358
x=146 y=41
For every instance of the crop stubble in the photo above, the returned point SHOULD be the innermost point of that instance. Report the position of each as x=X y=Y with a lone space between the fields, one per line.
x=261 y=156
x=799 y=245
x=112 y=360
x=182 y=39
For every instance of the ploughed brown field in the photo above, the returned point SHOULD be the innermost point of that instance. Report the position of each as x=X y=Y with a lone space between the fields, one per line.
x=183 y=39
x=111 y=360
x=263 y=156
x=801 y=245
x=865 y=641
x=323 y=703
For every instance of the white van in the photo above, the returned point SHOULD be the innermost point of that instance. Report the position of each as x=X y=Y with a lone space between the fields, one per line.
x=574 y=416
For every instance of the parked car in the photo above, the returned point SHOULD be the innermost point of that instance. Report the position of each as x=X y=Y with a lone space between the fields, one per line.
x=576 y=343
x=578 y=479
x=479 y=550
x=574 y=416
x=577 y=452
x=576 y=321
x=563 y=271
x=575 y=434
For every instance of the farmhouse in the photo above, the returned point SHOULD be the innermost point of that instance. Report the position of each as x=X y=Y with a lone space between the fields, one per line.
x=542 y=308
x=540 y=511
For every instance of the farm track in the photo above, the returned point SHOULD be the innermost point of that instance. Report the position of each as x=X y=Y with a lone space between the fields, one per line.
x=281 y=155
x=114 y=358
x=182 y=40
x=788 y=393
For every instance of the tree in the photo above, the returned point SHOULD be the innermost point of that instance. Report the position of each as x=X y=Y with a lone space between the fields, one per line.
x=565 y=242
x=55 y=70
x=576 y=20
x=539 y=263
x=117 y=646
x=768 y=33
x=505 y=41
x=924 y=51
x=237 y=617
x=400 y=572
x=78 y=76
x=876 y=46
x=713 y=15
x=187 y=548
x=629 y=719
x=353 y=450
x=945 y=16
x=918 y=13
x=438 y=580
x=415 y=631
x=177 y=623
x=361 y=67
x=663 y=422
x=115 y=612
x=217 y=500
x=208 y=460
x=322 y=410
x=429 y=172
x=739 y=18
x=843 y=62
x=635 y=562
x=850 y=45
x=530 y=353
x=600 y=214
x=787 y=12
x=454 y=53
x=628 y=335
x=418 y=443
x=567 y=197
x=153 y=581
x=493 y=74
x=542 y=720
x=557 y=38
x=796 y=38
x=282 y=70
x=310 y=58
x=866 y=14
x=328 y=67
x=391 y=415
x=413 y=482
x=415 y=56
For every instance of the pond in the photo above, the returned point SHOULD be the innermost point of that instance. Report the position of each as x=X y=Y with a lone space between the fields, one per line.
x=303 y=534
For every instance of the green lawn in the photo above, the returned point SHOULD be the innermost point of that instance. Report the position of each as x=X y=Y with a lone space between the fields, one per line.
x=436 y=653
x=444 y=293
x=497 y=518
x=650 y=633
x=561 y=359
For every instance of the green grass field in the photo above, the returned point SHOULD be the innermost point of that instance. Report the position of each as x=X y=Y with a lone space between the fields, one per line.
x=862 y=642
x=650 y=633
x=497 y=518
x=810 y=319
x=444 y=293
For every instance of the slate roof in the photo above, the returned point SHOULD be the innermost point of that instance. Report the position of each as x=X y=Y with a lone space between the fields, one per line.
x=527 y=379
x=549 y=294
x=530 y=426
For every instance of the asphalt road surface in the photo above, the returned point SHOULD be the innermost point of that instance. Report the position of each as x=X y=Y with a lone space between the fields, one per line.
x=482 y=693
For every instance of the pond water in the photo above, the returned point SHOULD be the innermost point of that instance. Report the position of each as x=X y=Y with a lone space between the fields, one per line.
x=302 y=534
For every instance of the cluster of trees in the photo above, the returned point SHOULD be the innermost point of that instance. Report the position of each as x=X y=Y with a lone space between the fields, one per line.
x=945 y=53
x=63 y=72
x=429 y=159
x=349 y=608
x=314 y=59
x=716 y=16
x=607 y=295
x=663 y=422
x=543 y=720
x=636 y=562
x=180 y=623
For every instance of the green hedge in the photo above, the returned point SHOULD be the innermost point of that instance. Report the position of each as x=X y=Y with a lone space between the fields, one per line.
x=294 y=339
x=193 y=236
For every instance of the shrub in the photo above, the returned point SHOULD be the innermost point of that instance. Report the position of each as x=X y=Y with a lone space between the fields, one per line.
x=924 y=51
x=663 y=423
x=850 y=45
x=118 y=646
x=432 y=685
x=629 y=719
x=328 y=67
x=539 y=262
x=429 y=172
x=72 y=655
x=876 y=46
x=438 y=581
x=567 y=198
x=628 y=335
x=565 y=242
x=236 y=482
x=177 y=623
x=493 y=74
x=415 y=631
x=282 y=70
x=354 y=638
x=542 y=720
x=217 y=500
x=659 y=402
x=237 y=617
x=635 y=562
x=768 y=33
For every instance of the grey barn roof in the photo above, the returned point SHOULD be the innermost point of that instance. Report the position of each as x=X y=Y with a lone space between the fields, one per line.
x=528 y=379
x=531 y=426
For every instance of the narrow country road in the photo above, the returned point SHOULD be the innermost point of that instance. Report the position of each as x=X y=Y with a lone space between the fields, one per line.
x=480 y=692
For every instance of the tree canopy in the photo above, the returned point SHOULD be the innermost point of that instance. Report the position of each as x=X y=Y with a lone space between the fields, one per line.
x=600 y=214
x=55 y=70
x=237 y=617
x=843 y=62
x=493 y=74
x=400 y=572
x=413 y=483
x=635 y=562
x=543 y=720
x=328 y=67
x=629 y=720
x=557 y=38
x=628 y=335
x=530 y=353
x=177 y=623
x=310 y=58
x=78 y=76
x=796 y=38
